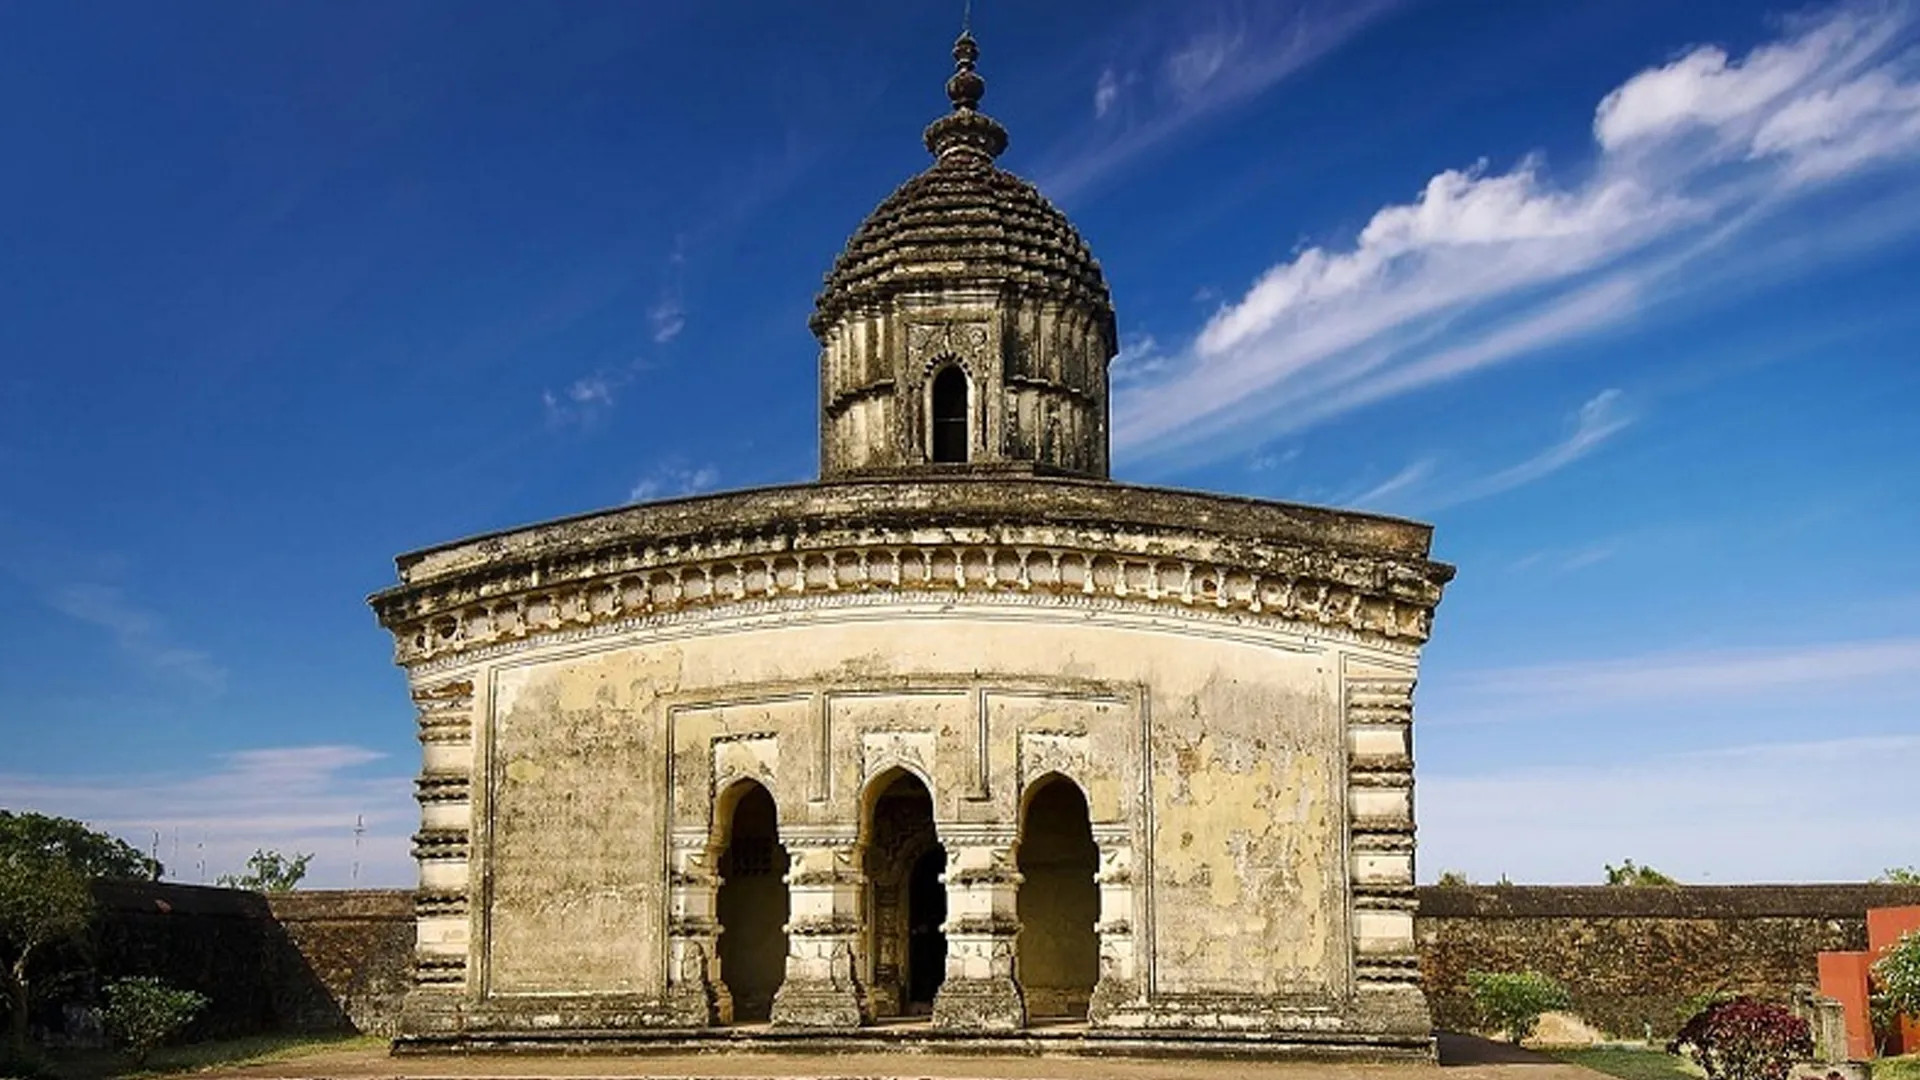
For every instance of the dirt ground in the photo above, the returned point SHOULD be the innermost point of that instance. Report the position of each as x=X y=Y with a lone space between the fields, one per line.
x=1461 y=1058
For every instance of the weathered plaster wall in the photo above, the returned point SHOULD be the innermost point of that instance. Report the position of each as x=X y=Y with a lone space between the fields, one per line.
x=1633 y=956
x=1219 y=752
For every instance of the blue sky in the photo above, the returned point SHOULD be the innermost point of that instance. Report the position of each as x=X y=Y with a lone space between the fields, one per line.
x=1622 y=294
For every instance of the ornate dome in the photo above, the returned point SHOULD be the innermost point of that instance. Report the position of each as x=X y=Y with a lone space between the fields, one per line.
x=963 y=222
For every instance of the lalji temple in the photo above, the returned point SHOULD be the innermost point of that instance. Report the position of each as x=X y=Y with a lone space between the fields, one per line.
x=964 y=741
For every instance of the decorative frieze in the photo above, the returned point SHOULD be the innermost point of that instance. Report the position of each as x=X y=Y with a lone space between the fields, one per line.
x=1352 y=595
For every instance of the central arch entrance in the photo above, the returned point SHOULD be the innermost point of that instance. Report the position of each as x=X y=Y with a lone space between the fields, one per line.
x=906 y=900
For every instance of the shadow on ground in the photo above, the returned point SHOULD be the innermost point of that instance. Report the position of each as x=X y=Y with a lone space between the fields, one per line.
x=1457 y=1049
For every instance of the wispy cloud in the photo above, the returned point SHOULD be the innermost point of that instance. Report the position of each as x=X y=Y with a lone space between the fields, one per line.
x=139 y=633
x=674 y=478
x=1764 y=812
x=1674 y=680
x=1603 y=416
x=1414 y=473
x=585 y=401
x=1160 y=90
x=291 y=799
x=1488 y=266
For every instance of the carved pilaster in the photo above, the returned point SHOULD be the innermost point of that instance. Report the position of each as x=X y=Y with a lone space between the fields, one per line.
x=442 y=847
x=696 y=993
x=822 y=988
x=1386 y=964
x=981 y=991
x=1119 y=988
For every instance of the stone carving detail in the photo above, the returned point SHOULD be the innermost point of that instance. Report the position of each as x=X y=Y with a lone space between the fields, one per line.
x=1359 y=602
x=444 y=711
x=929 y=343
x=1042 y=752
x=751 y=756
x=880 y=750
x=443 y=845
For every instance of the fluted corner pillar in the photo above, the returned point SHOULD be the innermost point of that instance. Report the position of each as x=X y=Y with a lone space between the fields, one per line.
x=1118 y=992
x=696 y=993
x=981 y=991
x=822 y=990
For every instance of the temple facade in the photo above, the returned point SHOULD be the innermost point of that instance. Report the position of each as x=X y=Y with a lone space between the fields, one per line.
x=965 y=739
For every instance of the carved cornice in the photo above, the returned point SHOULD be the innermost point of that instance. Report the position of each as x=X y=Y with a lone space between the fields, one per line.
x=438 y=968
x=1383 y=838
x=440 y=844
x=442 y=788
x=1356 y=594
x=430 y=903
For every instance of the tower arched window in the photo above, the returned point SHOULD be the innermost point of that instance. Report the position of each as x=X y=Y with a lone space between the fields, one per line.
x=949 y=443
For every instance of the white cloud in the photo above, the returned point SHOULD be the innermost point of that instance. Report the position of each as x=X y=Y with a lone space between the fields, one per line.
x=673 y=479
x=1105 y=92
x=291 y=799
x=1208 y=68
x=1486 y=266
x=1747 y=813
x=137 y=632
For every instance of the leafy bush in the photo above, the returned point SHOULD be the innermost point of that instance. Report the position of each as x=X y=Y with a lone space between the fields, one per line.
x=1899 y=875
x=1744 y=1039
x=142 y=1013
x=1898 y=975
x=1453 y=879
x=1631 y=873
x=1513 y=1001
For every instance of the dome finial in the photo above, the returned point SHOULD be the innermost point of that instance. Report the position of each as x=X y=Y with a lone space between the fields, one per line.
x=966 y=128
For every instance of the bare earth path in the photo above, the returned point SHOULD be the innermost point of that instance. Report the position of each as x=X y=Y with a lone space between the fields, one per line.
x=1464 y=1060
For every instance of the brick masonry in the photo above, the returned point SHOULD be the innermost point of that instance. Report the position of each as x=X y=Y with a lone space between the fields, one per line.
x=334 y=960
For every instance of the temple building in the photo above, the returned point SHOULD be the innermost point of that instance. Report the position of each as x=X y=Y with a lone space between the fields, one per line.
x=965 y=739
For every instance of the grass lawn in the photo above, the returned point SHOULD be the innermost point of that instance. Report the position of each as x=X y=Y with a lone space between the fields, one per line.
x=1900 y=1068
x=1633 y=1062
x=168 y=1060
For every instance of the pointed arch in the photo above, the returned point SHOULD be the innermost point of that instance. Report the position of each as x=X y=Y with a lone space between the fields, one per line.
x=1059 y=901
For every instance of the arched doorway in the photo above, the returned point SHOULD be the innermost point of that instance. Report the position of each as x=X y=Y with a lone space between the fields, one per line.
x=1058 y=902
x=906 y=901
x=752 y=905
x=949 y=443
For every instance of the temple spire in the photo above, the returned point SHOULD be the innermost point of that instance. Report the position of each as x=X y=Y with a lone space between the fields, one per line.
x=966 y=130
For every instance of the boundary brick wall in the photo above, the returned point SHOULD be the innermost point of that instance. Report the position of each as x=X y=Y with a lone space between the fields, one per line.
x=304 y=961
x=1632 y=957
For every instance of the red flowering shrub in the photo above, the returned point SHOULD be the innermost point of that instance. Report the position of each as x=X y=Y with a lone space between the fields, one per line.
x=1744 y=1039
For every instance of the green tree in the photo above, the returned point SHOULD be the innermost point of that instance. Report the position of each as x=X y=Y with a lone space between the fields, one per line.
x=1453 y=879
x=1631 y=873
x=269 y=871
x=142 y=1013
x=93 y=853
x=1899 y=875
x=45 y=864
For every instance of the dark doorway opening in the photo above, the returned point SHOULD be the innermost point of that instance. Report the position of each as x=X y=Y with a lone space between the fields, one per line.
x=926 y=942
x=1059 y=901
x=906 y=901
x=753 y=905
x=950 y=415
